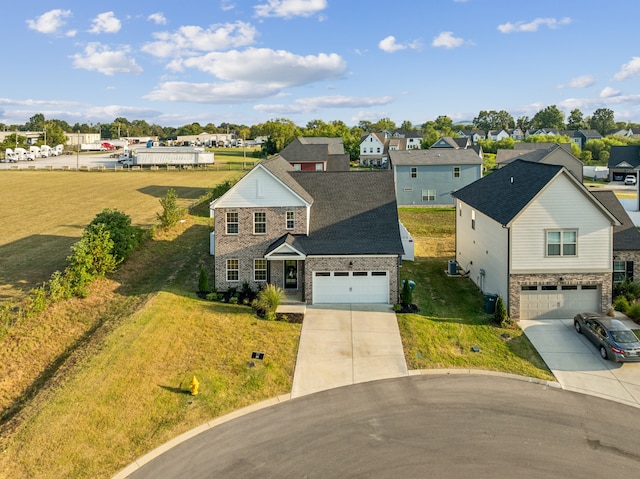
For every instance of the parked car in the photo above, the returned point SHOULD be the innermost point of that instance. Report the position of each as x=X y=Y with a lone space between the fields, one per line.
x=630 y=180
x=614 y=340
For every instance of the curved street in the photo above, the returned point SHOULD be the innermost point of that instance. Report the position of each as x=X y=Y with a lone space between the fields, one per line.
x=453 y=426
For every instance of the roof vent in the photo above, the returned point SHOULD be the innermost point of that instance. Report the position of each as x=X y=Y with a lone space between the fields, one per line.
x=512 y=180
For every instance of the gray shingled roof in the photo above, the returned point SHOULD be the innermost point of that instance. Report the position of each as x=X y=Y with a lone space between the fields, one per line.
x=625 y=236
x=317 y=149
x=335 y=146
x=620 y=154
x=353 y=213
x=436 y=156
x=507 y=191
x=533 y=154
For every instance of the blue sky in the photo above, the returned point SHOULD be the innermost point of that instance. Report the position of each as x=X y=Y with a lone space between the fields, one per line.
x=248 y=61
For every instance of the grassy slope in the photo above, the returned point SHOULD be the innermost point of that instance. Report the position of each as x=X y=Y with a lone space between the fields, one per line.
x=451 y=318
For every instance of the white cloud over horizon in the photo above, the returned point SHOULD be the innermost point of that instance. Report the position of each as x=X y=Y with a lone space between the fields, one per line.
x=447 y=40
x=290 y=8
x=100 y=58
x=533 y=25
x=158 y=18
x=105 y=23
x=629 y=70
x=390 y=45
x=582 y=81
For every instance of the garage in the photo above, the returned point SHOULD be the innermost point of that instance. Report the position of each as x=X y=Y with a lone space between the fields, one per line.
x=350 y=287
x=558 y=301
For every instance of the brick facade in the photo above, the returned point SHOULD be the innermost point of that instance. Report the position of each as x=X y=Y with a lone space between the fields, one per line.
x=516 y=281
x=629 y=256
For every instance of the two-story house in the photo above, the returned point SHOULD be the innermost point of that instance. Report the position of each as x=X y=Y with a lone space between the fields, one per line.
x=332 y=237
x=532 y=233
x=427 y=177
x=316 y=153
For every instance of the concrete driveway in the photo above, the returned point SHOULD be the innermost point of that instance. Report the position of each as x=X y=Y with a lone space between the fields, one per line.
x=345 y=344
x=577 y=364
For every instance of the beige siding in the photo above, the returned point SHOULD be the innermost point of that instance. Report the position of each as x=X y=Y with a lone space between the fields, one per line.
x=482 y=248
x=259 y=188
x=570 y=162
x=561 y=206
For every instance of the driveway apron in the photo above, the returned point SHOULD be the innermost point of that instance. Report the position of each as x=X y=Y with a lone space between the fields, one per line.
x=347 y=344
x=577 y=364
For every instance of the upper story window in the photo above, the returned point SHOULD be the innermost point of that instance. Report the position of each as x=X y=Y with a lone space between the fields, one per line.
x=232 y=223
x=291 y=220
x=413 y=172
x=562 y=243
x=259 y=223
x=297 y=166
x=319 y=167
x=473 y=219
x=378 y=149
x=456 y=172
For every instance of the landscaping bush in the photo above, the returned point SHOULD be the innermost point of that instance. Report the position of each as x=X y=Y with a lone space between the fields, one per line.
x=203 y=282
x=501 y=316
x=634 y=311
x=267 y=301
x=628 y=289
x=125 y=237
x=406 y=295
x=621 y=303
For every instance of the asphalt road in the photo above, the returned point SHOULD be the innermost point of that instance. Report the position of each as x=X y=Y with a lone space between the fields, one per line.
x=442 y=426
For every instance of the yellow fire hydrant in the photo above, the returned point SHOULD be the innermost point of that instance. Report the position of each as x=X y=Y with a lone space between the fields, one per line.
x=195 y=384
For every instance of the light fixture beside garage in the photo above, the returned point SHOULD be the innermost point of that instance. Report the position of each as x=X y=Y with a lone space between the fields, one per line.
x=350 y=264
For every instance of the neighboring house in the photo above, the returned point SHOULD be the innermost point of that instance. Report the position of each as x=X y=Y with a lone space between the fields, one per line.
x=516 y=133
x=474 y=135
x=623 y=161
x=316 y=154
x=543 y=131
x=372 y=149
x=532 y=233
x=449 y=142
x=626 y=238
x=556 y=154
x=427 y=177
x=497 y=135
x=331 y=236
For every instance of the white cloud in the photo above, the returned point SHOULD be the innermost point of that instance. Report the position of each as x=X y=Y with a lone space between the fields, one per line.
x=50 y=22
x=226 y=5
x=190 y=39
x=582 y=81
x=312 y=104
x=105 y=23
x=158 y=18
x=599 y=102
x=447 y=40
x=629 y=69
x=264 y=66
x=231 y=92
x=290 y=8
x=390 y=45
x=100 y=58
x=608 y=92
x=533 y=25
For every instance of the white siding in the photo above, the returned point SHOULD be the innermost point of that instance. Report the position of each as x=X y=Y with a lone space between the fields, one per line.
x=563 y=206
x=259 y=188
x=482 y=248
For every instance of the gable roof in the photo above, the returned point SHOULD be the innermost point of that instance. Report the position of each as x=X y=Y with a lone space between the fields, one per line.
x=317 y=149
x=625 y=235
x=281 y=168
x=436 y=156
x=624 y=154
x=534 y=154
x=353 y=212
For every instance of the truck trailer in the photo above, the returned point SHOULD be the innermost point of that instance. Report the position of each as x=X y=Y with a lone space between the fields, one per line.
x=167 y=155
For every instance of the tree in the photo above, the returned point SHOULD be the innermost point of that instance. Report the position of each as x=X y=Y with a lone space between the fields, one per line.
x=524 y=123
x=203 y=281
x=171 y=212
x=406 y=125
x=602 y=121
x=35 y=123
x=443 y=122
x=493 y=120
x=549 y=117
x=575 y=120
x=385 y=124
x=125 y=237
x=54 y=134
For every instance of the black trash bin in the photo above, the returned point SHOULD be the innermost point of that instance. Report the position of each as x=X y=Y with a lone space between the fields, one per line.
x=490 y=303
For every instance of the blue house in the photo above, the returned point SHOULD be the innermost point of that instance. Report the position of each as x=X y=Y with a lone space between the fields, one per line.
x=427 y=177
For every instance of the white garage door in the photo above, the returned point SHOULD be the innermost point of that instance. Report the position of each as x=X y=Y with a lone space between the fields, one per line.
x=558 y=302
x=351 y=287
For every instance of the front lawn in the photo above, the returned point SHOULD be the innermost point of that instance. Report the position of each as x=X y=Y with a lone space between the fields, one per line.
x=451 y=320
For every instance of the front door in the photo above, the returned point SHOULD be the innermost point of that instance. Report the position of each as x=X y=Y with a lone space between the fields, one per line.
x=290 y=274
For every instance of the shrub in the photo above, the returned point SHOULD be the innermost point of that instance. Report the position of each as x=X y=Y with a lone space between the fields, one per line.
x=621 y=304
x=268 y=300
x=634 y=311
x=233 y=300
x=171 y=212
x=125 y=237
x=203 y=281
x=37 y=301
x=501 y=316
x=59 y=287
x=628 y=289
x=406 y=295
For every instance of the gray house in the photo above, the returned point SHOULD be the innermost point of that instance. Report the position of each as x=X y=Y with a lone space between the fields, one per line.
x=329 y=236
x=427 y=177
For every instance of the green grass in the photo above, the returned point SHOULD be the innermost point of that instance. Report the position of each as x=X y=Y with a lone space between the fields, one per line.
x=451 y=319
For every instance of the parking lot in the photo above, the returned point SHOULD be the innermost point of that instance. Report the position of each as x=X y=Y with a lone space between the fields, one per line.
x=577 y=365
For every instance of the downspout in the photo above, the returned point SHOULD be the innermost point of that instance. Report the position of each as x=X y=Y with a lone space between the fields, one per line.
x=508 y=271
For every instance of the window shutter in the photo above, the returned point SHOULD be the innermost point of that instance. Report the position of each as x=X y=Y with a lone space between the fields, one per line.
x=629 y=270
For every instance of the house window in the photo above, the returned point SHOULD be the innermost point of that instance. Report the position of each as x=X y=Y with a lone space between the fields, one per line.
x=456 y=172
x=232 y=223
x=319 y=167
x=428 y=195
x=291 y=220
x=371 y=150
x=233 y=270
x=259 y=223
x=378 y=150
x=473 y=219
x=562 y=243
x=297 y=166
x=259 y=269
x=622 y=270
x=414 y=172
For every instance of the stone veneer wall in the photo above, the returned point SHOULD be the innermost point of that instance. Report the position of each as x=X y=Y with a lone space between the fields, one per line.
x=604 y=280
x=341 y=263
x=630 y=256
